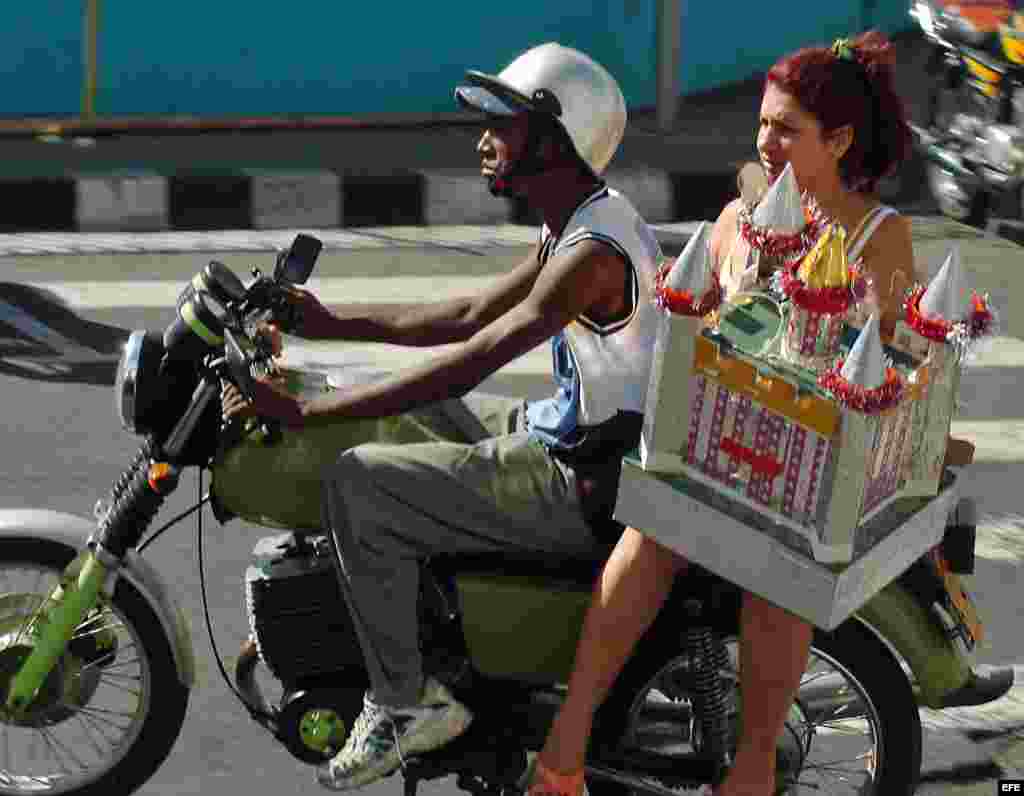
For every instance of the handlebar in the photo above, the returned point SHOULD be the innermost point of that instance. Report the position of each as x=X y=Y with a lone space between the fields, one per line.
x=237 y=369
x=265 y=300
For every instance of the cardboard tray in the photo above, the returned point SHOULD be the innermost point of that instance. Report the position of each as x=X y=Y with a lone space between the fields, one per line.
x=751 y=550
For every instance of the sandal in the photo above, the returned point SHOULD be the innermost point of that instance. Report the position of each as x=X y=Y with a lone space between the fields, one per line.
x=546 y=782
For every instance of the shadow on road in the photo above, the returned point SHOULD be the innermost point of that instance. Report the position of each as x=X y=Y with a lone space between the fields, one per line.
x=41 y=338
x=966 y=774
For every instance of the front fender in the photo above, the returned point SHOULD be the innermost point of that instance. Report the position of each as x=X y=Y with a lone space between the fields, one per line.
x=916 y=634
x=72 y=531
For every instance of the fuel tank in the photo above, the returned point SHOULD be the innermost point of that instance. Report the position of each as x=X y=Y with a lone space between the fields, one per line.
x=276 y=482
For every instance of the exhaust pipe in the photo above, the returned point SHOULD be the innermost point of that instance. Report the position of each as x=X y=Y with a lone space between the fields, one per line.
x=245 y=681
x=634 y=783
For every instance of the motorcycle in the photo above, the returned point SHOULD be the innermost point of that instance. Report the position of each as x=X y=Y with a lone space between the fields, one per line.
x=973 y=138
x=96 y=661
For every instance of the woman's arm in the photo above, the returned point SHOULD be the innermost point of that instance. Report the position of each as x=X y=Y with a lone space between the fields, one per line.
x=889 y=262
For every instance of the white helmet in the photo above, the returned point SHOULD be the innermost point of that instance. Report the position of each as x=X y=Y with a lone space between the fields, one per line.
x=573 y=88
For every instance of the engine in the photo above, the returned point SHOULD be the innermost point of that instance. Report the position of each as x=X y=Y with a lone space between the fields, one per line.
x=298 y=618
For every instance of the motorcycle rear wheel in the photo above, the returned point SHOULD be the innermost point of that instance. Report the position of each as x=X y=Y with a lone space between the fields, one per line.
x=105 y=738
x=854 y=727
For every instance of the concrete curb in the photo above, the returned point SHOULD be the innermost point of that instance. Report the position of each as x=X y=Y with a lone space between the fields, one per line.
x=143 y=201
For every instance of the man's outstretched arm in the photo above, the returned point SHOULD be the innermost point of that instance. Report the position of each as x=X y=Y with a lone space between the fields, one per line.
x=567 y=286
x=423 y=323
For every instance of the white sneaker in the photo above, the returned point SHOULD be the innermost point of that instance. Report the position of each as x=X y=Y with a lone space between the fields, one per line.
x=383 y=738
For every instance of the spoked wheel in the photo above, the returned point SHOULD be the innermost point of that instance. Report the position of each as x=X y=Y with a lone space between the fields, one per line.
x=854 y=727
x=111 y=709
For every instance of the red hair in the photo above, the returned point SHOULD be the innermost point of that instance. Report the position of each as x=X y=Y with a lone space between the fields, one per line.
x=856 y=89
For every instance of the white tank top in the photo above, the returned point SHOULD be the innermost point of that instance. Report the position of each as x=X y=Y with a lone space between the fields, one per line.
x=739 y=276
x=602 y=369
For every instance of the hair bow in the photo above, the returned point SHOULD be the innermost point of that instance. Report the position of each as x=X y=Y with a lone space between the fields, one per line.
x=842 y=50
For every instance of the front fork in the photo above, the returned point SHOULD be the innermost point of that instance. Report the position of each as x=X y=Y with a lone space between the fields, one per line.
x=135 y=499
x=53 y=626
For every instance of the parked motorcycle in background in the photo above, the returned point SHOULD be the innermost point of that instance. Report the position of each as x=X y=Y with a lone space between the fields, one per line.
x=973 y=138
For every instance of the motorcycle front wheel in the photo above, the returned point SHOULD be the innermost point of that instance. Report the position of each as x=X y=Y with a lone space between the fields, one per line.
x=109 y=713
x=853 y=730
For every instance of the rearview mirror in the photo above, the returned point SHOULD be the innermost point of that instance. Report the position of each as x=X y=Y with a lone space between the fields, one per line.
x=295 y=265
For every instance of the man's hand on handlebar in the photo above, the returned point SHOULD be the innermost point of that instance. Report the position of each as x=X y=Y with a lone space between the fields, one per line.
x=307 y=317
x=269 y=337
x=269 y=401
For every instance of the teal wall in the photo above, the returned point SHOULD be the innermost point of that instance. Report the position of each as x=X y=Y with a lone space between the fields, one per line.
x=342 y=57
x=750 y=37
x=40 y=57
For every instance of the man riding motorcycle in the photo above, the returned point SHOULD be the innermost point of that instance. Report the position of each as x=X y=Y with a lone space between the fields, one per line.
x=542 y=477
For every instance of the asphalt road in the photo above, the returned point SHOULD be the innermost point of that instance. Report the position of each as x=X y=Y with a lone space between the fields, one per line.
x=63 y=446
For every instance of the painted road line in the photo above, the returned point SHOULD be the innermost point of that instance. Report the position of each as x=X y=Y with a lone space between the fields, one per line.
x=996 y=440
x=999 y=440
x=83 y=294
x=42 y=243
x=1000 y=537
x=331 y=290
x=302 y=354
x=453 y=235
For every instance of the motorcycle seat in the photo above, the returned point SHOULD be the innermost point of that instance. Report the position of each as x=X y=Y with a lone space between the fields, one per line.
x=582 y=570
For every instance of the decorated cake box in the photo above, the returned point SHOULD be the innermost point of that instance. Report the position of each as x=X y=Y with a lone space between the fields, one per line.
x=793 y=412
x=770 y=437
x=751 y=549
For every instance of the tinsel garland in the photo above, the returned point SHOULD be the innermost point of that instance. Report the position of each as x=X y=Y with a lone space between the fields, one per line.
x=976 y=325
x=683 y=302
x=865 y=401
x=830 y=300
x=778 y=245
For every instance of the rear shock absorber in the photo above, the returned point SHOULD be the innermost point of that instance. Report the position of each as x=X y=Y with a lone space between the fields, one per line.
x=709 y=655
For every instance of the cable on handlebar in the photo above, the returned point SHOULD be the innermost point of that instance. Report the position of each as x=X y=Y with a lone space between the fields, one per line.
x=159 y=531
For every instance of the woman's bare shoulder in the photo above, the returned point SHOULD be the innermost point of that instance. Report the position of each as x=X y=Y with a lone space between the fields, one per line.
x=891 y=247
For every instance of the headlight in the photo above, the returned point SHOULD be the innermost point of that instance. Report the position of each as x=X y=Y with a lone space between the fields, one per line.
x=135 y=382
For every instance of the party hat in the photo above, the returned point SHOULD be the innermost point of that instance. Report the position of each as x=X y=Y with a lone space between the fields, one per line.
x=826 y=265
x=865 y=364
x=947 y=296
x=691 y=272
x=781 y=209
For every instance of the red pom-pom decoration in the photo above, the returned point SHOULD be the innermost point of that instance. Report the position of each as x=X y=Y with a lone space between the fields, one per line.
x=976 y=325
x=826 y=300
x=682 y=302
x=778 y=245
x=853 y=396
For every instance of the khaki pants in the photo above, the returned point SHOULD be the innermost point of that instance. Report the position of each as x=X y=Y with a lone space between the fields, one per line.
x=390 y=507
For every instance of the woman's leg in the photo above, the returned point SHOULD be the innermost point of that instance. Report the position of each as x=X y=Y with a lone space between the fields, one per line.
x=627 y=596
x=774 y=646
